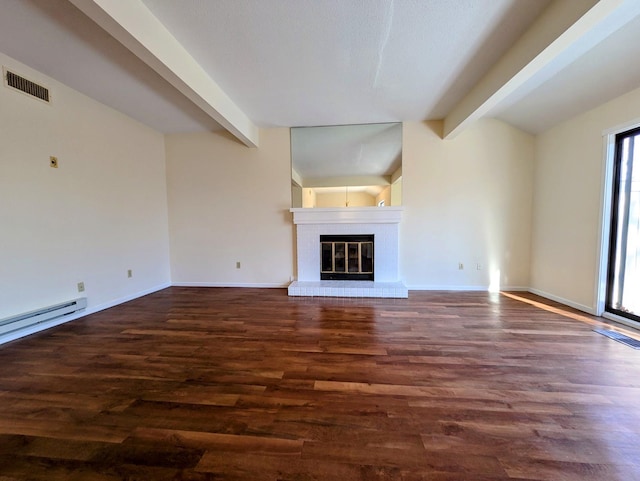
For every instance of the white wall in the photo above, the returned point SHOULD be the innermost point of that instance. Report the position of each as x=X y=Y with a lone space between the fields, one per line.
x=227 y=204
x=568 y=192
x=466 y=200
x=103 y=211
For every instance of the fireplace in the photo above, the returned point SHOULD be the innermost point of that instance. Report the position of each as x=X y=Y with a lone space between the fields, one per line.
x=347 y=226
x=346 y=257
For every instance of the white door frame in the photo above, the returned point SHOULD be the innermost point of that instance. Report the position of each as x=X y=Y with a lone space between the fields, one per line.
x=606 y=193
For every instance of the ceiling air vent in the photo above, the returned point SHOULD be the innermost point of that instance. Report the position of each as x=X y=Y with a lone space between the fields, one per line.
x=22 y=84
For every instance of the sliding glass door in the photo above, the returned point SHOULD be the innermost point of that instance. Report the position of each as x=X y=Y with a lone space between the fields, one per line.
x=623 y=282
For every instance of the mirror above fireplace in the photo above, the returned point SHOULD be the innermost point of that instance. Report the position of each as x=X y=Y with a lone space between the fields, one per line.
x=346 y=165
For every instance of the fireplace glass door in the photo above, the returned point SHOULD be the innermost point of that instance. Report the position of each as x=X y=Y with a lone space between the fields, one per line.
x=346 y=257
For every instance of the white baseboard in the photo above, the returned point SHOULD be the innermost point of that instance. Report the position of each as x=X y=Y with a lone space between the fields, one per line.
x=566 y=302
x=261 y=285
x=515 y=288
x=429 y=287
x=462 y=288
x=12 y=336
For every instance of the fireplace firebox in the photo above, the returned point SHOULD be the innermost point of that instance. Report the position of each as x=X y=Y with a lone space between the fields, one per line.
x=346 y=257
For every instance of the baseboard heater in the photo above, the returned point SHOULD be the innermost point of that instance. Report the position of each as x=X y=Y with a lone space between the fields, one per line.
x=20 y=321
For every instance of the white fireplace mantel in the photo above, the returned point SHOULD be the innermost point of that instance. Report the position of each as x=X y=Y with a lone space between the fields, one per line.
x=381 y=222
x=347 y=215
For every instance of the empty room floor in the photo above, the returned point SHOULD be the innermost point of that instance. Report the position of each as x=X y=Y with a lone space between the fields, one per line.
x=250 y=384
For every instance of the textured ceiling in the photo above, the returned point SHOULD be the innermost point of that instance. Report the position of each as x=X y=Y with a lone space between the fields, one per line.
x=607 y=70
x=55 y=38
x=332 y=62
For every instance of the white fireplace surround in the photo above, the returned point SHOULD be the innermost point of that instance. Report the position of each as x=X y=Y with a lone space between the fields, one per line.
x=382 y=222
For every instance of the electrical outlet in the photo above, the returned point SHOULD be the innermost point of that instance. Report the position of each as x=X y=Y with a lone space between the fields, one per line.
x=460 y=265
x=129 y=273
x=53 y=162
x=479 y=266
x=80 y=286
x=238 y=265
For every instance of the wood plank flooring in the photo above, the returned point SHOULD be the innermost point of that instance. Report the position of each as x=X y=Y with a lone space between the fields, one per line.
x=249 y=384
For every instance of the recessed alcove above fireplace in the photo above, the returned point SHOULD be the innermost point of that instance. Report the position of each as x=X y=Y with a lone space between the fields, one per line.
x=381 y=223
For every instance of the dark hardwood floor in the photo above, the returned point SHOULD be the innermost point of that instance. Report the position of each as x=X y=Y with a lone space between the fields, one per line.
x=249 y=384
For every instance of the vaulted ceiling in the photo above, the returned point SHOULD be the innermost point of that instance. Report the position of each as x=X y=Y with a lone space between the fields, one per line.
x=244 y=64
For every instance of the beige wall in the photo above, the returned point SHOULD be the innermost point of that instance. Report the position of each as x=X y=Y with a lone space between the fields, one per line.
x=296 y=195
x=526 y=209
x=102 y=212
x=396 y=192
x=466 y=200
x=338 y=199
x=384 y=195
x=308 y=197
x=396 y=188
x=569 y=178
x=227 y=204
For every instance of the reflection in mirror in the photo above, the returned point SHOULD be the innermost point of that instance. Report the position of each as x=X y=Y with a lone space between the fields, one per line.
x=346 y=165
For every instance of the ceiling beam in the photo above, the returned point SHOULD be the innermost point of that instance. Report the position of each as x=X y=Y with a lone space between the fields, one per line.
x=564 y=31
x=132 y=24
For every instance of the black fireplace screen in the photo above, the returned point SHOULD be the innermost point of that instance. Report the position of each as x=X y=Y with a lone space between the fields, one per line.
x=346 y=257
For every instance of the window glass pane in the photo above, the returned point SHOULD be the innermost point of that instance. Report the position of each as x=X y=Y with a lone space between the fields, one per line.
x=327 y=257
x=354 y=259
x=340 y=260
x=367 y=257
